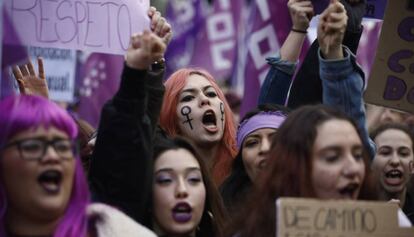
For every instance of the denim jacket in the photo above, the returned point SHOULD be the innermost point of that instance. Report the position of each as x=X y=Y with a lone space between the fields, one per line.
x=342 y=82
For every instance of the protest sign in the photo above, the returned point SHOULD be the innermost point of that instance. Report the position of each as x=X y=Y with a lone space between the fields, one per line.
x=337 y=218
x=391 y=83
x=59 y=65
x=93 y=25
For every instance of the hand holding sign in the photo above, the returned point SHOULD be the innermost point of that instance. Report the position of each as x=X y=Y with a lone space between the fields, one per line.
x=301 y=13
x=29 y=83
x=331 y=30
x=144 y=49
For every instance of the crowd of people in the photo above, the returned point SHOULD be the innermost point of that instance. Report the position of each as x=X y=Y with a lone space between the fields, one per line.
x=168 y=159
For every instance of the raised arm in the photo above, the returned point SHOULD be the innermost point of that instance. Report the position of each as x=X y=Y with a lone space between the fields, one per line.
x=277 y=82
x=155 y=86
x=121 y=166
x=342 y=79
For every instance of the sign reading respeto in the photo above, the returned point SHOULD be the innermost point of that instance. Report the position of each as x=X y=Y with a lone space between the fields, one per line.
x=95 y=25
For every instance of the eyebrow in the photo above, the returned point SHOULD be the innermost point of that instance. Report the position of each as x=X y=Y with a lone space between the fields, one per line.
x=187 y=170
x=253 y=134
x=339 y=148
x=193 y=90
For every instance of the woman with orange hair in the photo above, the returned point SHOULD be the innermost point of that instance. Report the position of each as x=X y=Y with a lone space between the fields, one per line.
x=195 y=107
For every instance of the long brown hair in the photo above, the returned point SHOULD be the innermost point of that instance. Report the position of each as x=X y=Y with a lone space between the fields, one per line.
x=169 y=120
x=290 y=168
x=214 y=214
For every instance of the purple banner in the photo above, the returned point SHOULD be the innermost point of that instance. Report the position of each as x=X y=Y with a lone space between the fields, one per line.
x=268 y=25
x=368 y=45
x=95 y=25
x=100 y=77
x=11 y=54
x=206 y=39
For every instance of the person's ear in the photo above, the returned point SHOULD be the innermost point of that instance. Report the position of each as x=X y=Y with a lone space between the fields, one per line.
x=411 y=167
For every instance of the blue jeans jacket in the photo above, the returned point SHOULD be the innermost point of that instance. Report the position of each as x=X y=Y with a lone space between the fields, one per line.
x=342 y=83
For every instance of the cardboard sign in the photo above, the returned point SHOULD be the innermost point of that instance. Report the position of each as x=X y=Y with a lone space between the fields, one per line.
x=60 y=68
x=391 y=82
x=94 y=25
x=297 y=217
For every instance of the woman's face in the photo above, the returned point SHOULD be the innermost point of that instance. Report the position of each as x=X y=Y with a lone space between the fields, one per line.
x=200 y=111
x=338 y=167
x=254 y=149
x=38 y=186
x=394 y=160
x=179 y=192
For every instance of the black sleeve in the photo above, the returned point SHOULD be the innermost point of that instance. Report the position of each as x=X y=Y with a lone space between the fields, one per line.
x=155 y=89
x=121 y=167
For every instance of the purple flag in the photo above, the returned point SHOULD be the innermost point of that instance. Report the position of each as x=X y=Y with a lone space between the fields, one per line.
x=99 y=80
x=267 y=26
x=11 y=54
x=368 y=45
x=207 y=38
x=186 y=18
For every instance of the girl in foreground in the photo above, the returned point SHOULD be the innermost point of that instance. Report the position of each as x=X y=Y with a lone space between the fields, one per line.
x=43 y=189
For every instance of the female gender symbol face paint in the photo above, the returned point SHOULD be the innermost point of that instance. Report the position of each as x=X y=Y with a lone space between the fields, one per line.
x=186 y=111
x=200 y=111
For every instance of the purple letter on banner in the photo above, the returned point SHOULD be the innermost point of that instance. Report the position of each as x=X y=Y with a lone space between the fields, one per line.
x=94 y=25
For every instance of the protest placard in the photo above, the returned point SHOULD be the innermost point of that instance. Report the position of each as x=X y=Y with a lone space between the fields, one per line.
x=337 y=218
x=391 y=81
x=60 y=68
x=94 y=25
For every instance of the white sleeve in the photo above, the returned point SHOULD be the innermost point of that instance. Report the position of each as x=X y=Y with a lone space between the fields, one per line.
x=403 y=220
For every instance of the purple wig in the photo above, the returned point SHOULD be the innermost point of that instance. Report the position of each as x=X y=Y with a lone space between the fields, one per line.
x=24 y=112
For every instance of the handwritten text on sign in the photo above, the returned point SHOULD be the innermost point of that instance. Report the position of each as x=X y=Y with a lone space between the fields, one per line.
x=314 y=218
x=94 y=25
x=391 y=81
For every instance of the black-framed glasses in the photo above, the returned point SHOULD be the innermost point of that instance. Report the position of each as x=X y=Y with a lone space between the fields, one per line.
x=35 y=148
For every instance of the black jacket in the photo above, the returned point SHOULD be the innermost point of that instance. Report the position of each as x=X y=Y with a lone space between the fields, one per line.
x=121 y=167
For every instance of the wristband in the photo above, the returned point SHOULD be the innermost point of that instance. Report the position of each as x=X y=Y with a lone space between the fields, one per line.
x=299 y=31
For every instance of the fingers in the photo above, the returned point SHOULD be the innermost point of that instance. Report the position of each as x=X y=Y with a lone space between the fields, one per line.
x=158 y=27
x=135 y=41
x=16 y=72
x=41 y=68
x=23 y=70
x=154 y=20
x=146 y=41
x=22 y=89
x=151 y=11
x=31 y=68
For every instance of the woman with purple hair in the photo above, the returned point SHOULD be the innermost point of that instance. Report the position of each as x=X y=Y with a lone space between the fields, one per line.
x=43 y=191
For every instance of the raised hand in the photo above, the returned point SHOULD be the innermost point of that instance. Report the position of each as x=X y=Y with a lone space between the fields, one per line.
x=160 y=26
x=301 y=13
x=30 y=83
x=331 y=30
x=144 y=49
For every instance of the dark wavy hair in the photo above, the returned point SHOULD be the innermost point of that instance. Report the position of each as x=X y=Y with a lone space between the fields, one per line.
x=290 y=168
x=214 y=215
x=236 y=187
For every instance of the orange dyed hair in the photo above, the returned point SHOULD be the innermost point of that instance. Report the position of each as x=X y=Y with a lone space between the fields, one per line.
x=169 y=119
